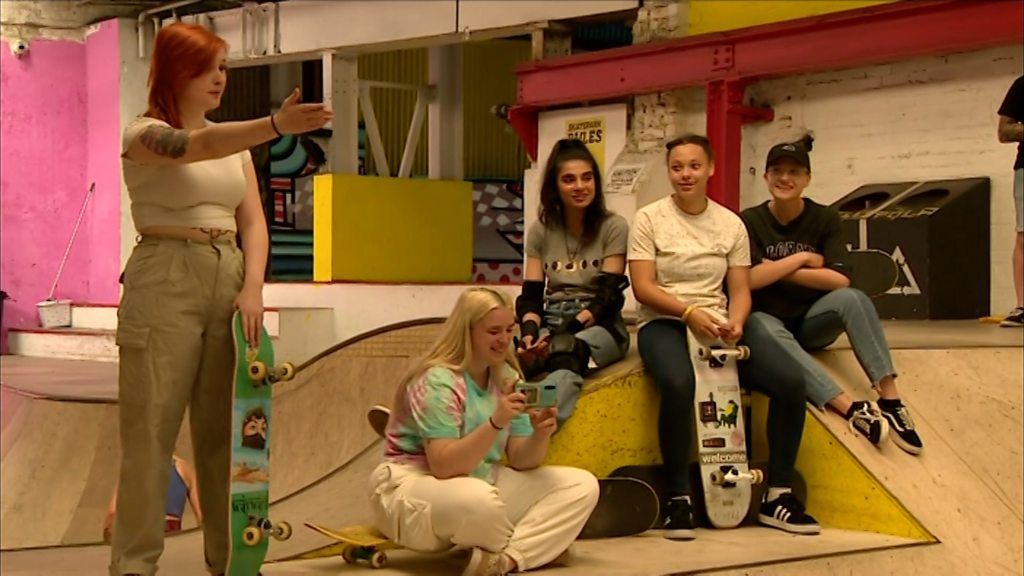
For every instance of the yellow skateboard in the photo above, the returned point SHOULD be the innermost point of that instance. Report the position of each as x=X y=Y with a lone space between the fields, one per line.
x=361 y=543
x=364 y=542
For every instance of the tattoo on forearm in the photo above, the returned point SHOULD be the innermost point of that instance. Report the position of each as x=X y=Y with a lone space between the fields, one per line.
x=165 y=141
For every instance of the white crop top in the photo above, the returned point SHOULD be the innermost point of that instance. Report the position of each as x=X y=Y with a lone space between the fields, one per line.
x=196 y=195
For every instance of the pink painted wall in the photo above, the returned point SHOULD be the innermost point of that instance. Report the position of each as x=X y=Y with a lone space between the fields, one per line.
x=103 y=141
x=59 y=126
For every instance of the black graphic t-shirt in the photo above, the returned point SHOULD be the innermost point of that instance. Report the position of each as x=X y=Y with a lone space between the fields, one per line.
x=817 y=229
x=1013 y=107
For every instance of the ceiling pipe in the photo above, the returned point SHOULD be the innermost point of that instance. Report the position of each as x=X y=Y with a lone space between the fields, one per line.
x=140 y=26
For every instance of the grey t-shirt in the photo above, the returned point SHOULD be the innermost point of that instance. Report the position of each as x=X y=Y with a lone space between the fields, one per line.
x=571 y=269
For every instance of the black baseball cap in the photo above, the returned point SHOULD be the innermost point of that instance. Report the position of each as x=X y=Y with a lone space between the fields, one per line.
x=795 y=151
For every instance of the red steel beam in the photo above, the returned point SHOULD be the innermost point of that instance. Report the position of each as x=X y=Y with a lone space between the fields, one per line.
x=905 y=29
x=726 y=116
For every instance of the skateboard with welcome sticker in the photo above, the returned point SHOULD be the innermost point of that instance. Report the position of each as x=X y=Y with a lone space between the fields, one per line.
x=720 y=431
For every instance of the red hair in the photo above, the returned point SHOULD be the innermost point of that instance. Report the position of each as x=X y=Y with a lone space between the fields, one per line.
x=181 y=52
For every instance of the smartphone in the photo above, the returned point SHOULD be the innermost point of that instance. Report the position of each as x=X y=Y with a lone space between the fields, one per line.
x=538 y=394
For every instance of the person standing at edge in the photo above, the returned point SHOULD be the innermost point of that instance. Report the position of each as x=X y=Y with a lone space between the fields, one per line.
x=1011 y=129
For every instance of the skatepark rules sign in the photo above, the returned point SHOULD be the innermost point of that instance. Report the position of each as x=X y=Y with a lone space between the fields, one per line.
x=590 y=131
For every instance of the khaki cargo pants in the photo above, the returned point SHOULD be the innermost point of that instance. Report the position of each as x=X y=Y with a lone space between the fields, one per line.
x=176 y=350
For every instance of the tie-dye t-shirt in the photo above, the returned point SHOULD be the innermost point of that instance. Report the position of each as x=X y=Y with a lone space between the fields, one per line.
x=442 y=403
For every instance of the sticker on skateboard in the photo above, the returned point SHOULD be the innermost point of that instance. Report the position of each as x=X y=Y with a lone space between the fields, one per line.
x=251 y=426
x=720 y=431
x=625 y=507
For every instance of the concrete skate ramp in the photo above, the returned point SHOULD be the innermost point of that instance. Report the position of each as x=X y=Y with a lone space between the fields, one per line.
x=320 y=416
x=60 y=463
x=59 y=445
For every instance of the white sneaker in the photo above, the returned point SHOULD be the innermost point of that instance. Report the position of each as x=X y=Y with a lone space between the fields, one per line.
x=484 y=563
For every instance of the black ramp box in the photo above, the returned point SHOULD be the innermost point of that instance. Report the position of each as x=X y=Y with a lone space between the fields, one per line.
x=938 y=235
x=856 y=207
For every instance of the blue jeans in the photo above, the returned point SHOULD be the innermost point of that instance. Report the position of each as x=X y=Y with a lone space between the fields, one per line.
x=665 y=352
x=608 y=344
x=780 y=349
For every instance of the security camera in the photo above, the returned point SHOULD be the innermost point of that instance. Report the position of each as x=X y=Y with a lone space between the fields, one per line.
x=19 y=47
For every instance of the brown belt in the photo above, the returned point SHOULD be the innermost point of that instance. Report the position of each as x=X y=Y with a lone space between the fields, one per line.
x=207 y=235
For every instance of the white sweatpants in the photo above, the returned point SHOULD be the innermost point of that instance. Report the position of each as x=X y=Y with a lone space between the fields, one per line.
x=532 y=516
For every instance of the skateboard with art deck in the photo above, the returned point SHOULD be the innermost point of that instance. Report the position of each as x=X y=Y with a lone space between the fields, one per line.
x=249 y=492
x=720 y=431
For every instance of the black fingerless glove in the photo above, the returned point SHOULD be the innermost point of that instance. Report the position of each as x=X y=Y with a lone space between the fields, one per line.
x=571 y=327
x=529 y=328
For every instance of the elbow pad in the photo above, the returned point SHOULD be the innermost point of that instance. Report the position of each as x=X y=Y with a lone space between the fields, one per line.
x=531 y=299
x=608 y=298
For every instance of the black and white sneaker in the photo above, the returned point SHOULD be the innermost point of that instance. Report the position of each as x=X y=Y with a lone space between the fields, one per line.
x=866 y=419
x=1015 y=319
x=899 y=420
x=787 y=513
x=678 y=523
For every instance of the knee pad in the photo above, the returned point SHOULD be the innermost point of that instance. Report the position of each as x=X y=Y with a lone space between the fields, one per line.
x=567 y=352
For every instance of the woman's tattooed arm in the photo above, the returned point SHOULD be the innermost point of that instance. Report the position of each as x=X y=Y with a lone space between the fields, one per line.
x=165 y=141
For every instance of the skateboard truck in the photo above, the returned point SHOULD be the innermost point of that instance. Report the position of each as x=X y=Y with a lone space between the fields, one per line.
x=716 y=357
x=729 y=476
x=259 y=373
x=259 y=527
x=376 y=558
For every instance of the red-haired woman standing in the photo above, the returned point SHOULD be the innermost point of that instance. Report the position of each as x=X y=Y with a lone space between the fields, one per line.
x=193 y=187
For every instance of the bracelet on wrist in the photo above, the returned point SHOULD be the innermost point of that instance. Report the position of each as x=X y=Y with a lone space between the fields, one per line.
x=274 y=126
x=493 y=425
x=689 y=310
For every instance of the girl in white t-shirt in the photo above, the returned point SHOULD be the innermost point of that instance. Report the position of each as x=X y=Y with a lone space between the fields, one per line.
x=192 y=187
x=685 y=250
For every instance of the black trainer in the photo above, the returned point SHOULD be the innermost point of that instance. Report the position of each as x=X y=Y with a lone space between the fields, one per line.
x=899 y=420
x=787 y=513
x=1015 y=319
x=866 y=419
x=678 y=523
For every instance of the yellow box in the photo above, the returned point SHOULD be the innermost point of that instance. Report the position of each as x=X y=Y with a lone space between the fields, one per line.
x=374 y=229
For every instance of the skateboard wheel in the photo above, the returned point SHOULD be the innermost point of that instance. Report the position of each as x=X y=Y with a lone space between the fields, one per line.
x=257 y=371
x=744 y=352
x=378 y=559
x=758 y=476
x=348 y=555
x=252 y=536
x=287 y=372
x=282 y=531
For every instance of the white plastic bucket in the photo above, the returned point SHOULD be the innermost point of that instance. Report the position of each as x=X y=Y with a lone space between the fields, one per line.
x=54 y=313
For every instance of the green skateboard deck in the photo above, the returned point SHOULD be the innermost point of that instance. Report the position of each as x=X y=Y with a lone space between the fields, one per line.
x=250 y=525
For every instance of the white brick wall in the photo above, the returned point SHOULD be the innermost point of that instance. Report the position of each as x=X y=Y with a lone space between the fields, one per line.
x=922 y=119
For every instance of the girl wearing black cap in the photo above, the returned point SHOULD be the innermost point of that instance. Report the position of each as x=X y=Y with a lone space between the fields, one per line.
x=802 y=300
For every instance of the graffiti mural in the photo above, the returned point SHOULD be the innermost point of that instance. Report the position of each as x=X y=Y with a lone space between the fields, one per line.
x=498 y=232
x=293 y=163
